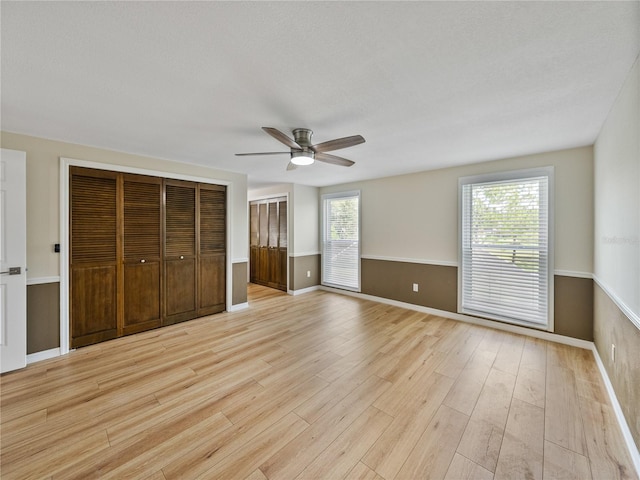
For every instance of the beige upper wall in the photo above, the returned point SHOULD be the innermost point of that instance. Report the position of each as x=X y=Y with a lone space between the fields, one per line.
x=416 y=216
x=617 y=198
x=306 y=218
x=43 y=194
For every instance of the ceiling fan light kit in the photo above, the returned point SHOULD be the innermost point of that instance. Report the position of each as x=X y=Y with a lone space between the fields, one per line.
x=302 y=158
x=304 y=153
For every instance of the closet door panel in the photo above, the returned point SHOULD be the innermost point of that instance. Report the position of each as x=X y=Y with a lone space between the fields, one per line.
x=141 y=297
x=181 y=289
x=93 y=256
x=212 y=284
x=212 y=247
x=142 y=253
x=180 y=252
x=94 y=304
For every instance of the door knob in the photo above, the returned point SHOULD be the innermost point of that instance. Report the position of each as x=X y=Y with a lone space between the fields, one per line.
x=142 y=261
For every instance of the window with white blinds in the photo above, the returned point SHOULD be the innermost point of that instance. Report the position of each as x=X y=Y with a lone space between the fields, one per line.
x=506 y=264
x=341 y=240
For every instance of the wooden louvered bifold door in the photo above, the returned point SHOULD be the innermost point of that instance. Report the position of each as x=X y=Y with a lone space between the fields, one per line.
x=180 y=252
x=212 y=248
x=93 y=256
x=142 y=253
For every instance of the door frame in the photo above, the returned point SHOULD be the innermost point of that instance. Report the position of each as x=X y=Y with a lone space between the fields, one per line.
x=260 y=198
x=65 y=164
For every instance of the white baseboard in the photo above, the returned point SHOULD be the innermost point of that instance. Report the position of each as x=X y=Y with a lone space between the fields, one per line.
x=44 y=355
x=626 y=433
x=304 y=290
x=238 y=307
x=530 y=332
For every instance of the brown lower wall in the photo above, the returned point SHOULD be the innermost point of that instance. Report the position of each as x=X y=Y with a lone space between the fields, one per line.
x=239 y=292
x=298 y=268
x=573 y=307
x=612 y=326
x=437 y=284
x=438 y=288
x=43 y=317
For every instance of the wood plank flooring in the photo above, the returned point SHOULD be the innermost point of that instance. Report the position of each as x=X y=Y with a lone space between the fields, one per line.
x=320 y=386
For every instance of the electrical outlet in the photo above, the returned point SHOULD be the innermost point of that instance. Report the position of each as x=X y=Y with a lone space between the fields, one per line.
x=613 y=352
x=415 y=287
x=308 y=273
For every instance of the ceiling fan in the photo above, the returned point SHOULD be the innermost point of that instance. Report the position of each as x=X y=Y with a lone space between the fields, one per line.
x=304 y=153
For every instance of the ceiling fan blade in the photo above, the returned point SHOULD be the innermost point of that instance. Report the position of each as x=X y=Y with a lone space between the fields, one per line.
x=291 y=166
x=338 y=143
x=261 y=153
x=325 y=157
x=281 y=137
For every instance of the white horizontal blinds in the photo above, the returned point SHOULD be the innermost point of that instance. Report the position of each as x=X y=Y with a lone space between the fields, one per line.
x=341 y=241
x=505 y=249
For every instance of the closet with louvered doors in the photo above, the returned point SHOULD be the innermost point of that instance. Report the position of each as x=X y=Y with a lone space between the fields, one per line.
x=144 y=252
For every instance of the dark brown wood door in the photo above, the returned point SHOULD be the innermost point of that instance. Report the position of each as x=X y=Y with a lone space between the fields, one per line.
x=142 y=253
x=212 y=247
x=180 y=252
x=93 y=256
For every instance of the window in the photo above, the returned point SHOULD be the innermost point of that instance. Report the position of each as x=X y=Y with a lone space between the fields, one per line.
x=506 y=262
x=341 y=240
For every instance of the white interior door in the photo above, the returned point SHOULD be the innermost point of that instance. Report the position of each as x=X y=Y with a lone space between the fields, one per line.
x=13 y=260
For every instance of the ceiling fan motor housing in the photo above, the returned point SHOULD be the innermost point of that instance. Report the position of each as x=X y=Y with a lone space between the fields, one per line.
x=302 y=136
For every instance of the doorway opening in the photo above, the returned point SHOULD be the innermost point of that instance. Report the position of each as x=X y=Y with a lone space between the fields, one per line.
x=268 y=242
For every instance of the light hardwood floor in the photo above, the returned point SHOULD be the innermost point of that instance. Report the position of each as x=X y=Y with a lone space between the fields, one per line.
x=319 y=385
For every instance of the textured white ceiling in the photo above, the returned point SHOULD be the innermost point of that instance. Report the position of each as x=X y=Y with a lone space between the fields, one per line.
x=428 y=84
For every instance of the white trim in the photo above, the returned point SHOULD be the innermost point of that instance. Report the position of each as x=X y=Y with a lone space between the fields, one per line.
x=303 y=290
x=240 y=260
x=44 y=355
x=42 y=280
x=238 y=307
x=65 y=163
x=507 y=327
x=574 y=274
x=304 y=254
x=633 y=317
x=443 y=263
x=622 y=421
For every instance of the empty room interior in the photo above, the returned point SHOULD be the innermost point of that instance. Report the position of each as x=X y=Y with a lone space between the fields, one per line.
x=320 y=240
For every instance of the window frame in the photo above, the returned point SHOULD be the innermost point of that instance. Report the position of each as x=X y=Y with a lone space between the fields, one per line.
x=323 y=230
x=514 y=176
